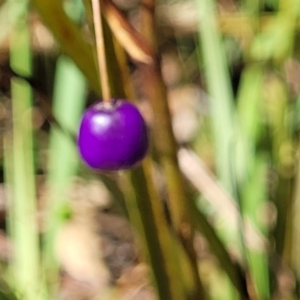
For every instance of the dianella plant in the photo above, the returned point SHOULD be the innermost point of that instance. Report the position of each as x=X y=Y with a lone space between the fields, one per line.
x=186 y=113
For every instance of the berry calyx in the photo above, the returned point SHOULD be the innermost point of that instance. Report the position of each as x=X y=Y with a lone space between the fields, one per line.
x=112 y=135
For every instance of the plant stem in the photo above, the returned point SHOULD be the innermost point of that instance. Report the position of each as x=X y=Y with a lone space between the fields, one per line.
x=147 y=215
x=101 y=56
x=167 y=150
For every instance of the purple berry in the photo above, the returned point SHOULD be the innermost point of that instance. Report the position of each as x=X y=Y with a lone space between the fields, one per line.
x=112 y=136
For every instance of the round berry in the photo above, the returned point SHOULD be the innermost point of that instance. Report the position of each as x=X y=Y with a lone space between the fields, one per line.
x=112 y=136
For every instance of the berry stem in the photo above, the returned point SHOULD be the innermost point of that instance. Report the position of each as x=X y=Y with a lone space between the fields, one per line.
x=100 y=46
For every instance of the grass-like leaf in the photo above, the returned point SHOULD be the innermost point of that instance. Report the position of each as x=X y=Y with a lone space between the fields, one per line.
x=68 y=105
x=70 y=38
x=254 y=197
x=218 y=82
x=25 y=271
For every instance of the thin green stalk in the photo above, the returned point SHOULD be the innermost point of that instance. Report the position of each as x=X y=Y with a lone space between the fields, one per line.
x=254 y=197
x=167 y=151
x=147 y=216
x=252 y=172
x=25 y=265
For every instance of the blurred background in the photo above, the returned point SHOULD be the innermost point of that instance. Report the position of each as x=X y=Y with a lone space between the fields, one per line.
x=231 y=72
